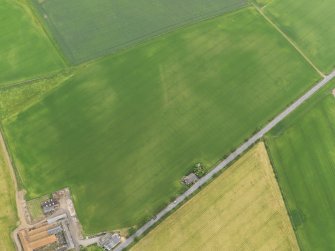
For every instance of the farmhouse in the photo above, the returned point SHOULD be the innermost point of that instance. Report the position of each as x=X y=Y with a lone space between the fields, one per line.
x=109 y=241
x=190 y=179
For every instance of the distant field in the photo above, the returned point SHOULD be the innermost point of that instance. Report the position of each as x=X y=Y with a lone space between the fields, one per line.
x=242 y=209
x=303 y=151
x=25 y=50
x=310 y=24
x=8 y=215
x=86 y=30
x=130 y=126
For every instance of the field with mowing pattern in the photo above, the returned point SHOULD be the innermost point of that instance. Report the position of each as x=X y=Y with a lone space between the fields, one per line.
x=310 y=24
x=124 y=130
x=85 y=30
x=8 y=215
x=242 y=209
x=25 y=50
x=303 y=152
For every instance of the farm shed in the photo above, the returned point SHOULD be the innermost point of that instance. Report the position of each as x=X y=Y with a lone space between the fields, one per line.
x=190 y=179
x=36 y=238
x=109 y=241
x=49 y=206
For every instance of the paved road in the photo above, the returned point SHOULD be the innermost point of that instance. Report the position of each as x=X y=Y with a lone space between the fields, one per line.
x=227 y=161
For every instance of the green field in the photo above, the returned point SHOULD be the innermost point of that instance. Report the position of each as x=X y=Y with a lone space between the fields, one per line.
x=85 y=30
x=17 y=98
x=8 y=215
x=25 y=50
x=242 y=209
x=124 y=130
x=310 y=24
x=302 y=149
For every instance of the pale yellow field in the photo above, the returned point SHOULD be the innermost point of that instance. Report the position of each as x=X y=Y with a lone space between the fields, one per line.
x=8 y=216
x=242 y=209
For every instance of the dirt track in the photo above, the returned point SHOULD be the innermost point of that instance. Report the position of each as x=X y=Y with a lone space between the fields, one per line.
x=19 y=195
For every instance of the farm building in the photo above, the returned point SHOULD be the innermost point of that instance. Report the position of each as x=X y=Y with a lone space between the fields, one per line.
x=49 y=206
x=56 y=218
x=190 y=179
x=109 y=241
x=47 y=236
x=36 y=238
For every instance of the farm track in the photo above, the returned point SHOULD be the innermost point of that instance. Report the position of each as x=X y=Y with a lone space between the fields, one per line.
x=289 y=40
x=19 y=195
x=233 y=156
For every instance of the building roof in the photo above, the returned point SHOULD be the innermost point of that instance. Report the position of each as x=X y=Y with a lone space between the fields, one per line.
x=55 y=230
x=47 y=210
x=56 y=218
x=109 y=241
x=49 y=205
x=36 y=238
x=190 y=179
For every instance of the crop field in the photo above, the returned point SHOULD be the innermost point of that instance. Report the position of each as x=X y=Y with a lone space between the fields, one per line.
x=302 y=149
x=310 y=24
x=25 y=50
x=8 y=216
x=124 y=130
x=86 y=30
x=242 y=209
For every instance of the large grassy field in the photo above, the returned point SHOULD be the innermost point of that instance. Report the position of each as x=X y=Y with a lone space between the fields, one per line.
x=310 y=24
x=242 y=209
x=124 y=130
x=86 y=30
x=303 y=151
x=8 y=215
x=25 y=50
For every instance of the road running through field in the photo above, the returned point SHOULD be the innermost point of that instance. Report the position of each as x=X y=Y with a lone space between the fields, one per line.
x=227 y=161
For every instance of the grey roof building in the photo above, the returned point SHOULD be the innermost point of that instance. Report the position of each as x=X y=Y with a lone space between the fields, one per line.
x=190 y=179
x=49 y=206
x=109 y=241
x=55 y=230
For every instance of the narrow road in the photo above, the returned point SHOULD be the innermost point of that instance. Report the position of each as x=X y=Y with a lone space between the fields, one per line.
x=227 y=161
x=288 y=39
